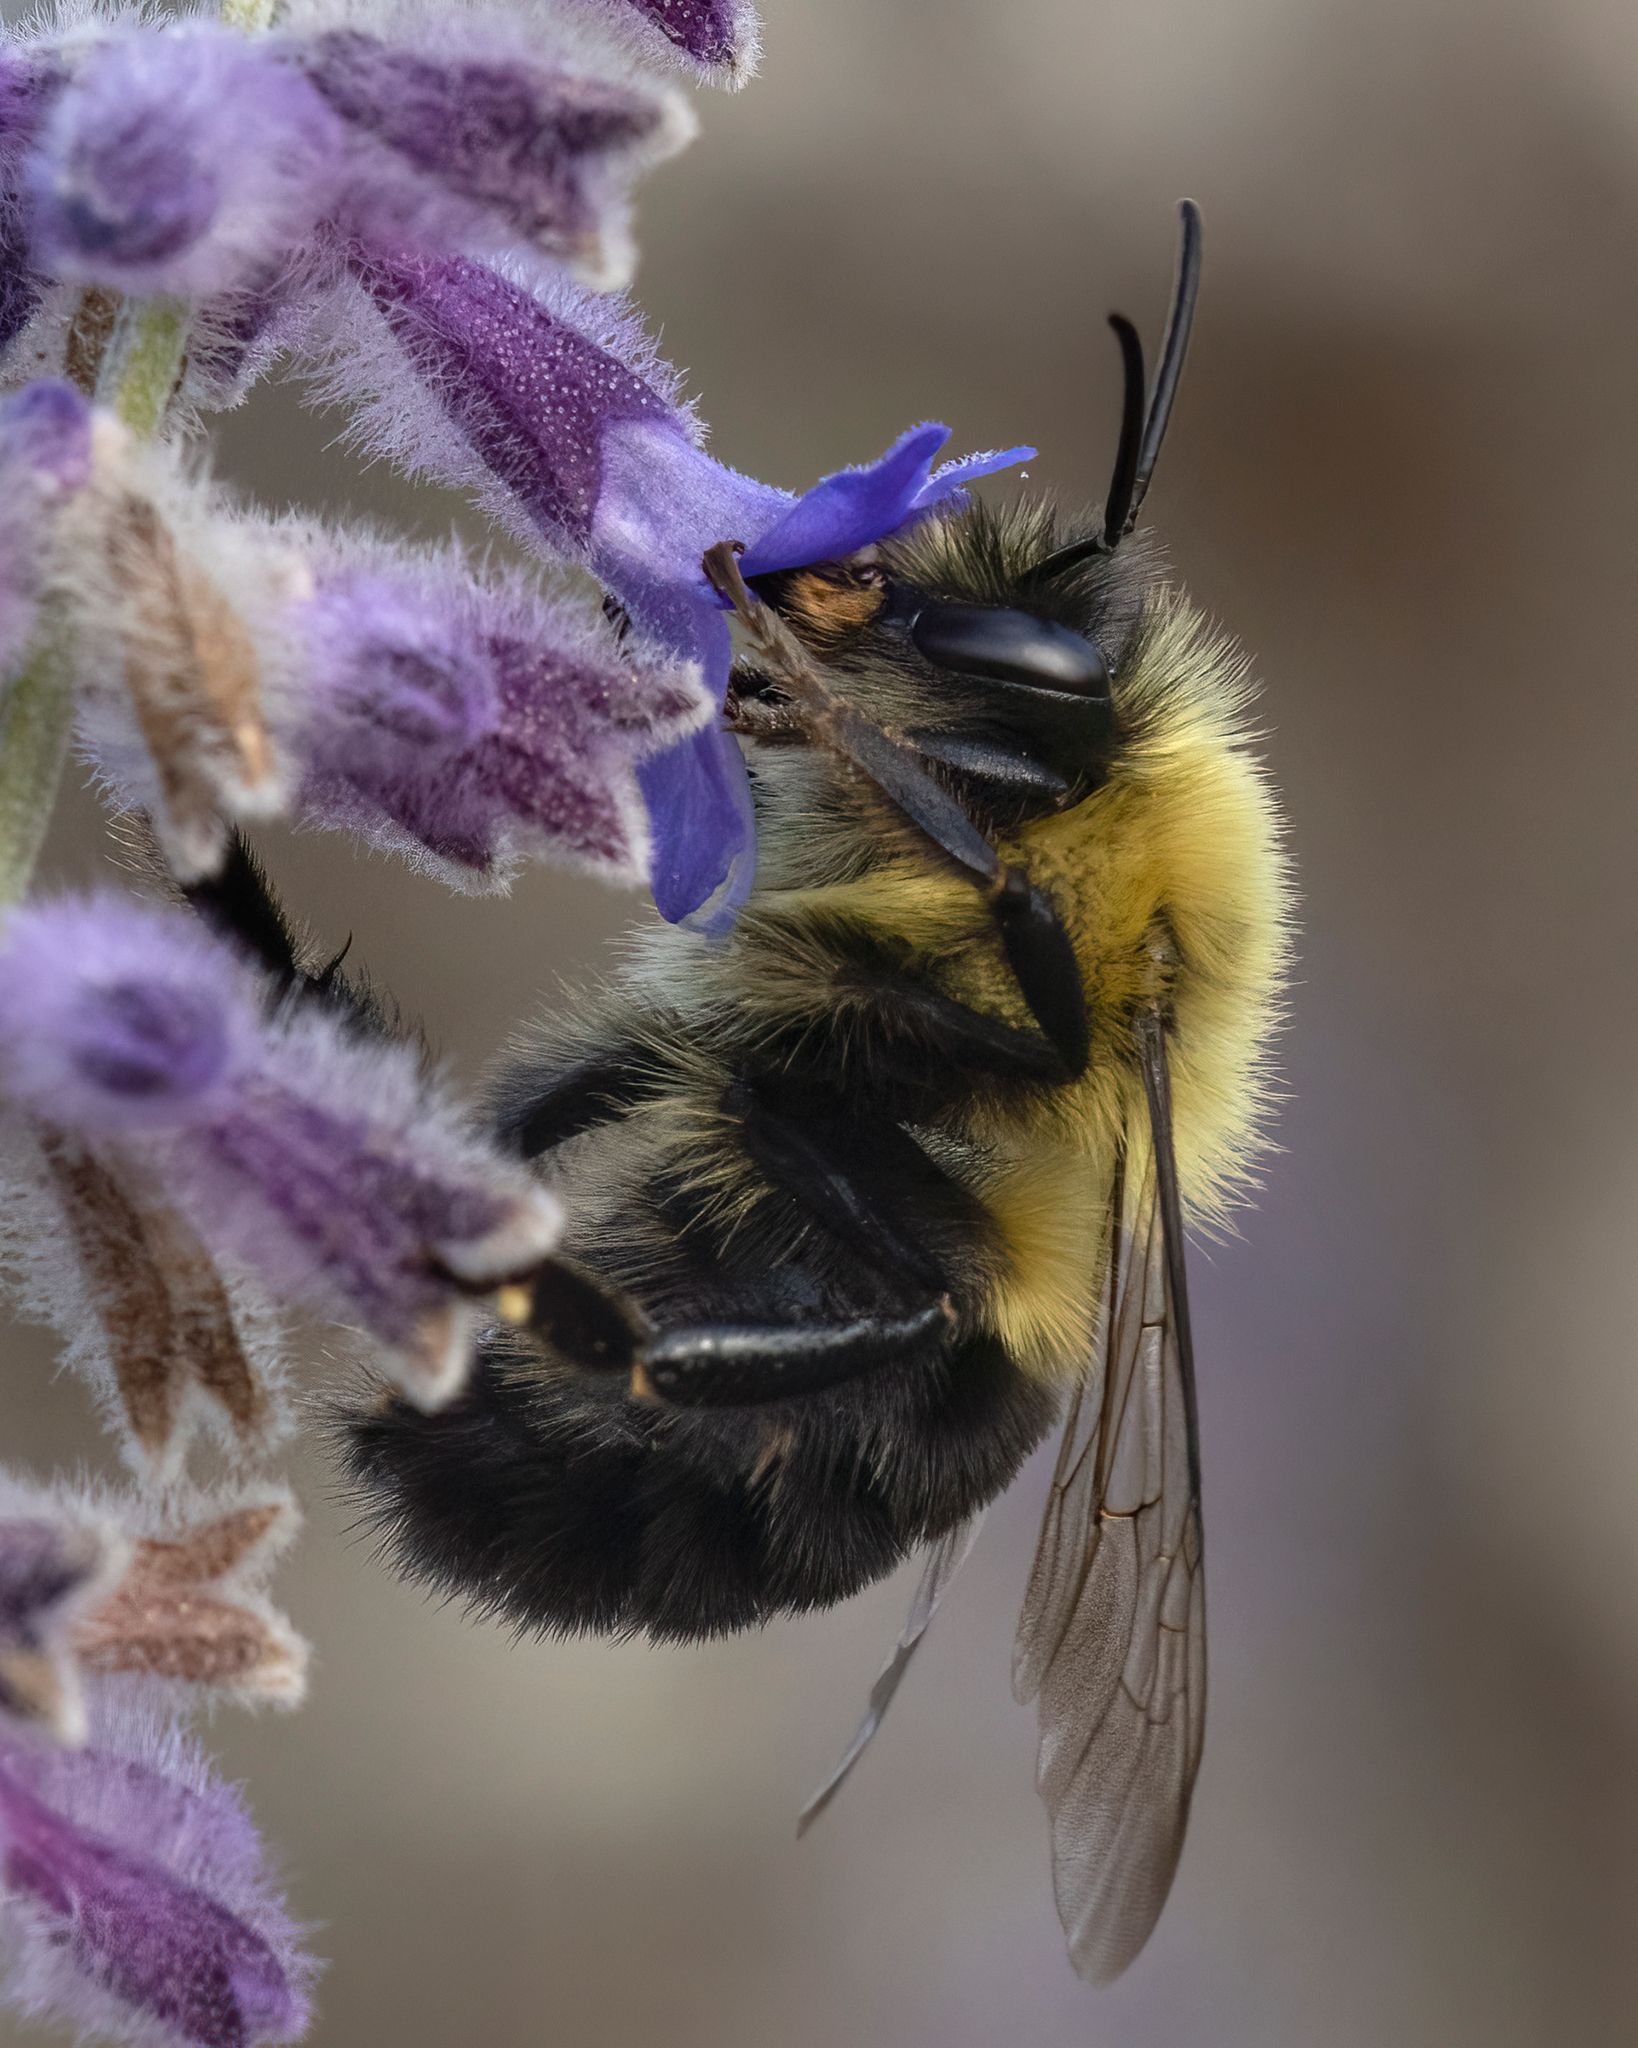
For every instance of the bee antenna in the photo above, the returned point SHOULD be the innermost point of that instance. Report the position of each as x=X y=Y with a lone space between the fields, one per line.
x=1125 y=485
x=1179 y=326
x=1141 y=433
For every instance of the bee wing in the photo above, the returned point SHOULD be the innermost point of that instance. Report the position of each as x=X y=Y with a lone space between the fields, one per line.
x=1112 y=1640
x=944 y=1560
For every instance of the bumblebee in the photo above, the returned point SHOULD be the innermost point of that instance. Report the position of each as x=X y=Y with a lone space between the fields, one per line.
x=867 y=1197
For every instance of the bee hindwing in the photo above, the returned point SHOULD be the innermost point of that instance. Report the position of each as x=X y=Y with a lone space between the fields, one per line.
x=944 y=1560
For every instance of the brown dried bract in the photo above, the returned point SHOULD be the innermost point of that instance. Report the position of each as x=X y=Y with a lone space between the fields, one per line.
x=193 y=677
x=161 y=1302
x=176 y=1613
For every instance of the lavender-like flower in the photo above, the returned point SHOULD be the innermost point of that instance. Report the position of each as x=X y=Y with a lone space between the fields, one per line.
x=555 y=409
x=186 y=159
x=468 y=721
x=183 y=161
x=135 y=1896
x=324 y=1162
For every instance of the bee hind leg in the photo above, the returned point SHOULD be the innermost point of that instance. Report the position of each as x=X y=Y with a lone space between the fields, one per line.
x=599 y=1329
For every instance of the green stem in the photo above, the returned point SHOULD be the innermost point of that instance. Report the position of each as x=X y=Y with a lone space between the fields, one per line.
x=36 y=716
x=144 y=361
x=250 y=15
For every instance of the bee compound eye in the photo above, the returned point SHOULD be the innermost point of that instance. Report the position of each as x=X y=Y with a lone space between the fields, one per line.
x=1005 y=646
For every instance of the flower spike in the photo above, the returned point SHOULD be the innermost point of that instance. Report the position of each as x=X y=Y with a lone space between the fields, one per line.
x=322 y=1161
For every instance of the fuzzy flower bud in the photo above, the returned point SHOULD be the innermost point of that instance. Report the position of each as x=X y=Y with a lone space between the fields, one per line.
x=135 y=1896
x=320 y=1160
x=29 y=80
x=482 y=134
x=183 y=161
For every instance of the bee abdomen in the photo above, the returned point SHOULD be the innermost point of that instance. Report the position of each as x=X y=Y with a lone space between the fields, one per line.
x=540 y=1499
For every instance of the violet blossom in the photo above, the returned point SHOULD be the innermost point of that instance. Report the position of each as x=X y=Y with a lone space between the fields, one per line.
x=322 y=1160
x=185 y=158
x=466 y=719
x=469 y=720
x=136 y=1900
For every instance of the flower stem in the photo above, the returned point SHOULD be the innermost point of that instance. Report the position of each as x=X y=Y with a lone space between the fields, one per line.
x=36 y=714
x=144 y=361
x=251 y=15
x=138 y=375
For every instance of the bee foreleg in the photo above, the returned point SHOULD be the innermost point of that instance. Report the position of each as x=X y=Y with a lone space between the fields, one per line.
x=1042 y=958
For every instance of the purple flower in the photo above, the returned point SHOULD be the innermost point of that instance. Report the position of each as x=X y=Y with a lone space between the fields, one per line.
x=469 y=723
x=491 y=134
x=718 y=38
x=135 y=1893
x=323 y=1161
x=577 y=434
x=184 y=161
x=45 y=457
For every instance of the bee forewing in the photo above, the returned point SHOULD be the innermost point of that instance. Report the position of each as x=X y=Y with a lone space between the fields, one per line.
x=1112 y=1636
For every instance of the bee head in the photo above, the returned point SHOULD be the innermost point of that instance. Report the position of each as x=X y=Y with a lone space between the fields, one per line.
x=950 y=636
x=990 y=639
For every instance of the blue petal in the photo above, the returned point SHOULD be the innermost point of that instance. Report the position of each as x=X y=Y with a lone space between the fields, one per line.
x=699 y=807
x=664 y=504
x=954 y=477
x=849 y=510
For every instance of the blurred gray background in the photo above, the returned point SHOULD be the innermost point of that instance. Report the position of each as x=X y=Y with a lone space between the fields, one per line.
x=1402 y=472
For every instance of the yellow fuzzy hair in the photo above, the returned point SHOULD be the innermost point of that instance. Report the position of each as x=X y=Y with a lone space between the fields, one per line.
x=1181 y=842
